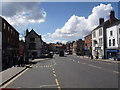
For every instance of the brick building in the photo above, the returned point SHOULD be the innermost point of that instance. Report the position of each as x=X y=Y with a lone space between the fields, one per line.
x=78 y=47
x=10 y=43
x=88 y=44
x=21 y=47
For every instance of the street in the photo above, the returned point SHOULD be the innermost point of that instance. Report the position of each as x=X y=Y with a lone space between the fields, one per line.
x=67 y=72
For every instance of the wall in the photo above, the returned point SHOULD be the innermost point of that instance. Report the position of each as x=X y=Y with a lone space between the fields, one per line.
x=0 y=50
x=114 y=36
x=101 y=52
x=38 y=42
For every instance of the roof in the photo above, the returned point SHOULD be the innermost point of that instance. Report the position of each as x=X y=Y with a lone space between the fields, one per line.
x=34 y=32
x=115 y=23
x=107 y=24
x=1 y=21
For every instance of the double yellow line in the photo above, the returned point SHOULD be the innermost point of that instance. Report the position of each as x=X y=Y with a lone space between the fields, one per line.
x=8 y=83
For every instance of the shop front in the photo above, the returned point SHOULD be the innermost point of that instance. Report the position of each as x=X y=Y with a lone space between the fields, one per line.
x=112 y=54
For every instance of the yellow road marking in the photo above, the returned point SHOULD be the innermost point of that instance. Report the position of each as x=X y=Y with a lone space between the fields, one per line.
x=52 y=85
x=84 y=63
x=14 y=78
x=56 y=81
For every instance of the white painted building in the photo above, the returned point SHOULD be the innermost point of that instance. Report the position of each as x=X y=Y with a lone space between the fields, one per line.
x=101 y=37
x=98 y=39
x=113 y=40
x=34 y=44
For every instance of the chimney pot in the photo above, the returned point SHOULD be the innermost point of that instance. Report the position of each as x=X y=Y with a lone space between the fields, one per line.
x=101 y=20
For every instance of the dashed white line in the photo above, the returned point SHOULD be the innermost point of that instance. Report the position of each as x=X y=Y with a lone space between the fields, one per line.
x=116 y=72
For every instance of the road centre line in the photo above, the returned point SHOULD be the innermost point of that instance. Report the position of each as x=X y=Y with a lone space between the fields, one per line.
x=94 y=66
x=53 y=71
x=116 y=72
x=54 y=75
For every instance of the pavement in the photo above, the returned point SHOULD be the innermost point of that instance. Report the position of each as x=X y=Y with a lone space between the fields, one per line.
x=10 y=73
x=102 y=60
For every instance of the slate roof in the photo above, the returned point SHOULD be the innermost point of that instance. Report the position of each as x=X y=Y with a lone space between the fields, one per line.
x=107 y=24
x=34 y=32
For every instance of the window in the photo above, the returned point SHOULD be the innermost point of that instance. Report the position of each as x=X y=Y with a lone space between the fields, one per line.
x=100 y=41
x=100 y=32
x=4 y=25
x=113 y=42
x=32 y=39
x=119 y=30
x=111 y=33
x=11 y=31
x=119 y=41
x=8 y=28
x=109 y=42
x=94 y=34
x=8 y=40
x=32 y=46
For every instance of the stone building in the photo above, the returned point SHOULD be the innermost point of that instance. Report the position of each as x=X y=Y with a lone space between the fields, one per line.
x=34 y=44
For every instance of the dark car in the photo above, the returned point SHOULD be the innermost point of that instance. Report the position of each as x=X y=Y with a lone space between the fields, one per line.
x=61 y=53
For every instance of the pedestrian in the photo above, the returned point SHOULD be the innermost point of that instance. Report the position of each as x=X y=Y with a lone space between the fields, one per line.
x=14 y=60
x=26 y=60
x=22 y=60
x=18 y=61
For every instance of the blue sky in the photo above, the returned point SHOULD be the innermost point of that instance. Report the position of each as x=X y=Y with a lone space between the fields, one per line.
x=57 y=14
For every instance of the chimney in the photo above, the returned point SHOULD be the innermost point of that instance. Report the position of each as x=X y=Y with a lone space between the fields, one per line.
x=27 y=31
x=112 y=16
x=101 y=20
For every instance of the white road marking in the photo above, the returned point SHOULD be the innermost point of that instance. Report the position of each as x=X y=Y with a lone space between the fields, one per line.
x=116 y=72
x=94 y=66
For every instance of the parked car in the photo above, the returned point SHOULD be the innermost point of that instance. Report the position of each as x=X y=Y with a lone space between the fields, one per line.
x=61 y=53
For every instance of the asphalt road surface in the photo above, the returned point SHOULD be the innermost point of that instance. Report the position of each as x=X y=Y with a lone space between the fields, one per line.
x=68 y=72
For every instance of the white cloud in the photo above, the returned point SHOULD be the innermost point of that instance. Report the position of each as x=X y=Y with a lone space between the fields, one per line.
x=21 y=13
x=78 y=26
x=47 y=39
